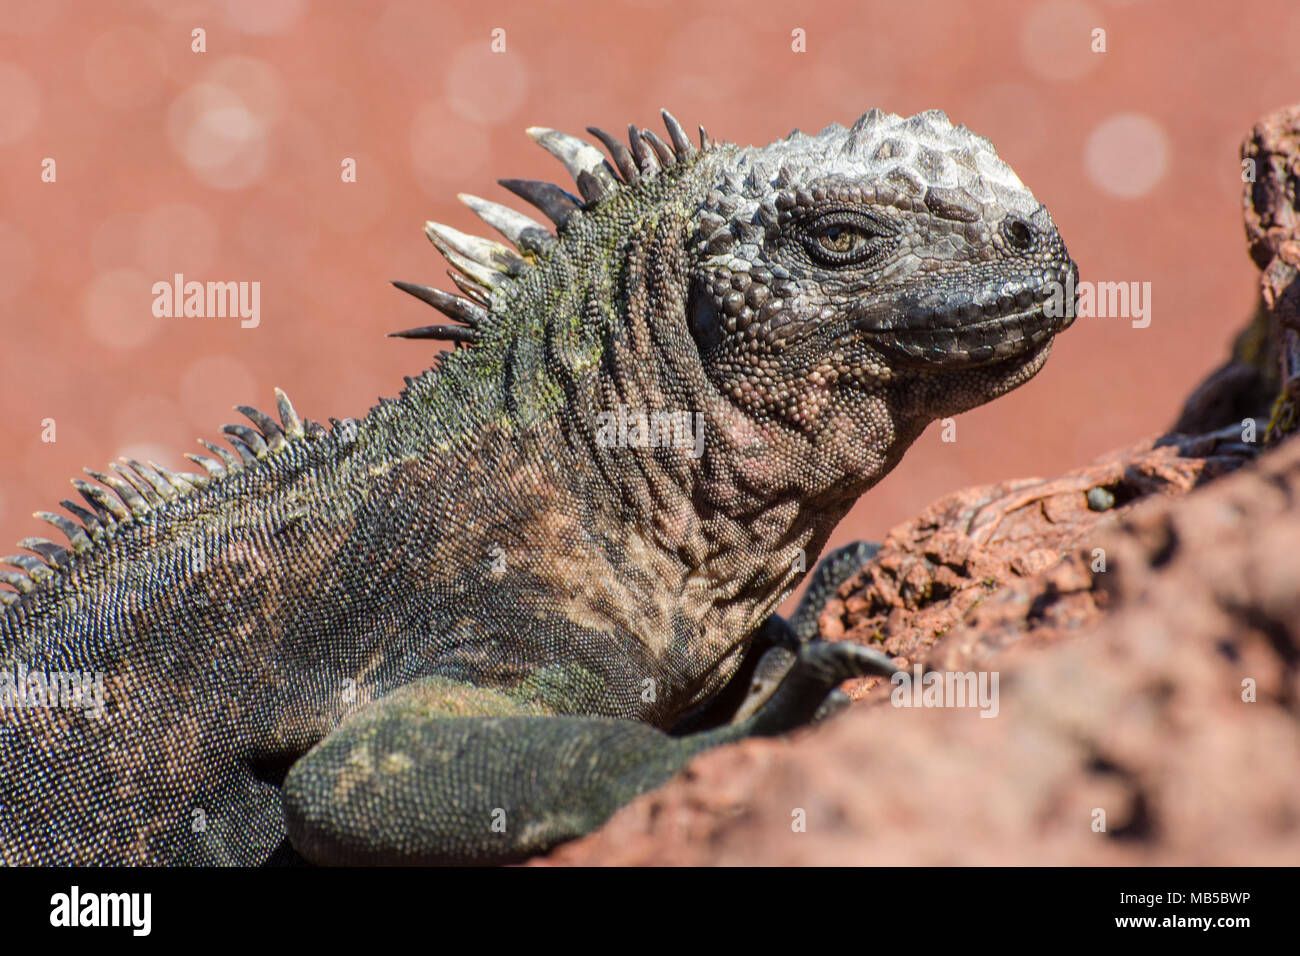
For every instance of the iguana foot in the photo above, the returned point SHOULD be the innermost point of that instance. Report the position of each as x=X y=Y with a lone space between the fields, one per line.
x=808 y=691
x=784 y=638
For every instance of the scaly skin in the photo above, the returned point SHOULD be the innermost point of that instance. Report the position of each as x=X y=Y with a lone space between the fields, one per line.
x=457 y=629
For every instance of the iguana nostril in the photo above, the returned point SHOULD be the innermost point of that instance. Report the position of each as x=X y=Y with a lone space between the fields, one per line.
x=1019 y=234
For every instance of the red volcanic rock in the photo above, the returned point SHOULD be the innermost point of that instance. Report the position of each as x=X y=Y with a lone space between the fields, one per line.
x=1012 y=560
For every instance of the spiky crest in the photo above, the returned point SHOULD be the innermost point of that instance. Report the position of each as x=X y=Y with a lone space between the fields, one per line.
x=133 y=490
x=481 y=266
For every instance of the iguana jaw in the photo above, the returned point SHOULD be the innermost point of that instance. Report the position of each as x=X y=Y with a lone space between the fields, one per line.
x=982 y=324
x=937 y=345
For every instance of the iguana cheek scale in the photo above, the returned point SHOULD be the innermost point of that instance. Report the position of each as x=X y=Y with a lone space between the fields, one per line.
x=468 y=626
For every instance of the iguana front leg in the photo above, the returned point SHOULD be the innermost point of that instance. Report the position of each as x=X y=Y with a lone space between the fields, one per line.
x=440 y=773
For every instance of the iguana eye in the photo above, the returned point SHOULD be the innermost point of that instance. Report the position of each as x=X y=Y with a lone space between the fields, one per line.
x=843 y=238
x=840 y=239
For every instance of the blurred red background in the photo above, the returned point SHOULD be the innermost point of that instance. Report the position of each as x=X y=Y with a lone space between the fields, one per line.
x=225 y=165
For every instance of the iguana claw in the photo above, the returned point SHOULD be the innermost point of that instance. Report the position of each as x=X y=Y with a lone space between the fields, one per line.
x=804 y=694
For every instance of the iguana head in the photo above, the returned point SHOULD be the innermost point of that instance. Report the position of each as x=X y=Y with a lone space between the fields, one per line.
x=898 y=254
x=850 y=286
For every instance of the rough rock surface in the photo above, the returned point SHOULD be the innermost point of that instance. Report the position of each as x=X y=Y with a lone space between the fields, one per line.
x=1271 y=210
x=1010 y=561
x=1119 y=690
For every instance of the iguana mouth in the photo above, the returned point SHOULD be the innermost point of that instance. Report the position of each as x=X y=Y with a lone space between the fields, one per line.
x=990 y=326
x=973 y=344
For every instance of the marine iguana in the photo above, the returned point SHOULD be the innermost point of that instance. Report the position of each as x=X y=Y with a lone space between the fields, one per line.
x=462 y=628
